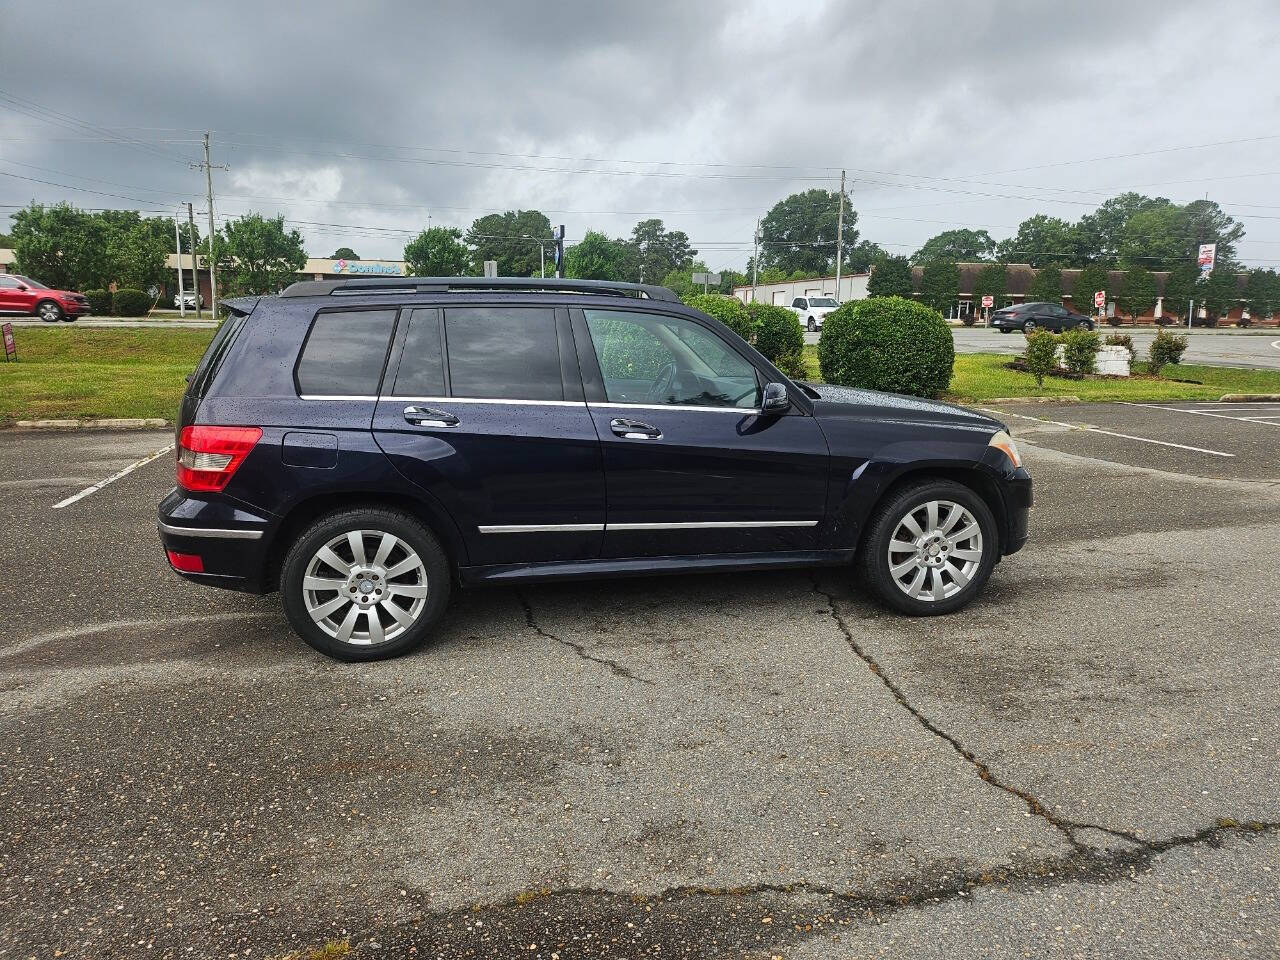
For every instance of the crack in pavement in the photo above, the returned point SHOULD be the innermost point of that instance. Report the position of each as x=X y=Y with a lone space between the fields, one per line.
x=617 y=669
x=1067 y=828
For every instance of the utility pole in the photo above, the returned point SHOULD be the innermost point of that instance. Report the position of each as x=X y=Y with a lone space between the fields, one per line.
x=177 y=249
x=212 y=259
x=195 y=261
x=840 y=236
x=755 y=261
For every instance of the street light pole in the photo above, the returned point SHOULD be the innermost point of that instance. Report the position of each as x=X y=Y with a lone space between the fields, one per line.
x=755 y=261
x=213 y=275
x=177 y=250
x=195 y=260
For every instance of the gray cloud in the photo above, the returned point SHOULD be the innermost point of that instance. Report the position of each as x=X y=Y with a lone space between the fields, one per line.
x=314 y=106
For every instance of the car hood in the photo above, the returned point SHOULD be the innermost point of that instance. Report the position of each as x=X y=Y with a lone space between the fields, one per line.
x=851 y=402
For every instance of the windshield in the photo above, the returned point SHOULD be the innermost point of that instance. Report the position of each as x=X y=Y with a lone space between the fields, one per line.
x=822 y=302
x=30 y=283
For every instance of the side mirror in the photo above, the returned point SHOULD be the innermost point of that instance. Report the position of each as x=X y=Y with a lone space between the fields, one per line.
x=775 y=399
x=23 y=286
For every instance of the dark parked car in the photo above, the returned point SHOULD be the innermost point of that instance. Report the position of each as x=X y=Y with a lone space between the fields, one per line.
x=364 y=445
x=1044 y=316
x=20 y=294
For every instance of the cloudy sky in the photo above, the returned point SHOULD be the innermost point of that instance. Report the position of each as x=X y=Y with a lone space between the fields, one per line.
x=361 y=122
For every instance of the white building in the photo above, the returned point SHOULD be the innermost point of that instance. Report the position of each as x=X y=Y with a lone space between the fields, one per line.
x=852 y=287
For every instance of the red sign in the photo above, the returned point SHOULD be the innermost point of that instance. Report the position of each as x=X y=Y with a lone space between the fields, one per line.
x=1100 y=299
x=10 y=347
x=988 y=301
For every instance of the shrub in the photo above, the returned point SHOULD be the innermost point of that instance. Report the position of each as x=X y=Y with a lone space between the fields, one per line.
x=1122 y=340
x=728 y=310
x=1114 y=319
x=887 y=343
x=1041 y=354
x=1165 y=349
x=970 y=318
x=793 y=365
x=1244 y=321
x=1080 y=351
x=99 y=301
x=130 y=303
x=777 y=332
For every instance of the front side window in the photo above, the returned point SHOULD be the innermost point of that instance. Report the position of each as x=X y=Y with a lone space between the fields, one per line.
x=9 y=282
x=344 y=353
x=33 y=284
x=503 y=353
x=653 y=359
x=823 y=302
x=798 y=303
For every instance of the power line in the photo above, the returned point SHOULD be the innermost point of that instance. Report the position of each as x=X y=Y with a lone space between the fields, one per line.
x=36 y=111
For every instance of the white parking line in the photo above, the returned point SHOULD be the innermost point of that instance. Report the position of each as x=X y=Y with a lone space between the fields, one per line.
x=1203 y=413
x=1109 y=433
x=111 y=479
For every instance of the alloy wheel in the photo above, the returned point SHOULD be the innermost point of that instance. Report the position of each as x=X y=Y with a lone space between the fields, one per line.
x=1029 y=327
x=935 y=550
x=365 y=587
x=49 y=312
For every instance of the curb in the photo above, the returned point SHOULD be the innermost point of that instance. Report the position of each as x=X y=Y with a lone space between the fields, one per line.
x=120 y=423
x=1250 y=398
x=1066 y=398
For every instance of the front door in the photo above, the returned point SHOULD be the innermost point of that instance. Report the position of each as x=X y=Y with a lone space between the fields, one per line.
x=9 y=294
x=484 y=409
x=691 y=464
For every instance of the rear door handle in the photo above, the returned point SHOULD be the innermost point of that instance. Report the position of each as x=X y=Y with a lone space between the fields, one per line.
x=634 y=430
x=427 y=417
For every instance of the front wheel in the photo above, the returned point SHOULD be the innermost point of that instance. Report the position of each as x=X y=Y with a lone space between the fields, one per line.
x=813 y=326
x=1029 y=327
x=365 y=584
x=929 y=548
x=1084 y=325
x=49 y=312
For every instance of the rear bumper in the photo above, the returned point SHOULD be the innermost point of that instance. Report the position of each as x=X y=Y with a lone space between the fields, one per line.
x=232 y=543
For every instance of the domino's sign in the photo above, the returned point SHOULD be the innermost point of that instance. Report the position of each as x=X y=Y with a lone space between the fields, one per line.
x=368 y=269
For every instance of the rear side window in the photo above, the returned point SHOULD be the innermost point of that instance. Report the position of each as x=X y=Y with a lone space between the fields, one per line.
x=421 y=371
x=506 y=353
x=344 y=353
x=215 y=353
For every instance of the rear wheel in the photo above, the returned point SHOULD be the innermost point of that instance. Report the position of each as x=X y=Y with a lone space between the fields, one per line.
x=929 y=548
x=1084 y=325
x=48 y=311
x=813 y=326
x=365 y=584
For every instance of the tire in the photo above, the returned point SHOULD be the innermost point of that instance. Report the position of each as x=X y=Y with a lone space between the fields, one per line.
x=1002 y=330
x=1029 y=327
x=1084 y=325
x=421 y=602
x=49 y=312
x=813 y=327
x=970 y=559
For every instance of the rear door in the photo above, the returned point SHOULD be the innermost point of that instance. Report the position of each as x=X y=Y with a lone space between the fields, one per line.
x=691 y=464
x=482 y=406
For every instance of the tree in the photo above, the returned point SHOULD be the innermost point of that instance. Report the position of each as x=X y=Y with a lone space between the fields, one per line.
x=891 y=278
x=1088 y=282
x=939 y=285
x=1180 y=288
x=1100 y=235
x=1139 y=293
x=1047 y=286
x=1040 y=240
x=346 y=253
x=1262 y=293
x=437 y=252
x=992 y=280
x=596 y=257
x=137 y=254
x=511 y=239
x=61 y=246
x=1218 y=291
x=257 y=255
x=658 y=251
x=860 y=257
x=799 y=232
x=959 y=245
x=1206 y=223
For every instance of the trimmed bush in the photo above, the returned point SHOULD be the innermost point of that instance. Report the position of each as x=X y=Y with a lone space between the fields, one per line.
x=887 y=343
x=1041 y=354
x=1165 y=349
x=1122 y=340
x=99 y=301
x=777 y=332
x=793 y=365
x=1080 y=351
x=130 y=303
x=728 y=310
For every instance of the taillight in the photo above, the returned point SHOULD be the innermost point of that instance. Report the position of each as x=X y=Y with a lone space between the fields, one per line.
x=208 y=457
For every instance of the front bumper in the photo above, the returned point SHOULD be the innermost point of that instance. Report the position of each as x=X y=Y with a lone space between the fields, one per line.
x=73 y=308
x=1017 y=501
x=232 y=543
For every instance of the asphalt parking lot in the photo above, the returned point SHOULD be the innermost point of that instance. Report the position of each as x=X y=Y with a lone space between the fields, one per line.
x=1085 y=762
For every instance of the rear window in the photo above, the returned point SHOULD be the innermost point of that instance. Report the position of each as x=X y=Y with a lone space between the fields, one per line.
x=421 y=370
x=215 y=353
x=344 y=353
x=503 y=353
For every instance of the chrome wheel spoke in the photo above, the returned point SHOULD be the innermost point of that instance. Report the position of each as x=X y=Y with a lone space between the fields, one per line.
x=348 y=624
x=957 y=574
x=375 y=626
x=935 y=583
x=356 y=539
x=931 y=515
x=323 y=610
x=322 y=583
x=401 y=615
x=958 y=538
x=332 y=559
x=411 y=562
x=913 y=588
x=966 y=554
x=407 y=589
x=902 y=546
x=910 y=523
x=953 y=517
x=385 y=547
x=901 y=568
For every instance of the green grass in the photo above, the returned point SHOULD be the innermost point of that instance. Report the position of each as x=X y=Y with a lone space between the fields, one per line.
x=984 y=376
x=69 y=373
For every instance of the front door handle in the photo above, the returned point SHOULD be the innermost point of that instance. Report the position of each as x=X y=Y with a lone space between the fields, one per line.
x=634 y=430
x=427 y=417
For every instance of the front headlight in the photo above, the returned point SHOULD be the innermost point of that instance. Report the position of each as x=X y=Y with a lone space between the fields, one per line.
x=1002 y=441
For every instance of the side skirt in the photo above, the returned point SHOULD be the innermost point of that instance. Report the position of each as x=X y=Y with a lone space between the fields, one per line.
x=651 y=566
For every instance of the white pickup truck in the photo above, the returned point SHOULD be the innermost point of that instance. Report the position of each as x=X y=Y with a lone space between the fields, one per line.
x=811 y=310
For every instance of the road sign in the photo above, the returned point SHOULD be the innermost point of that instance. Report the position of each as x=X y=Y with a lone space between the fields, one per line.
x=491 y=268
x=1208 y=253
x=10 y=346
x=705 y=278
x=1100 y=299
x=988 y=301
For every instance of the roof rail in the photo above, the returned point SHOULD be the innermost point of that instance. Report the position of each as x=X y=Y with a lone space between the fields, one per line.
x=353 y=286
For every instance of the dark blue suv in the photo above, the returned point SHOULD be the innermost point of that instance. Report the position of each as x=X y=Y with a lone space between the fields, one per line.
x=362 y=445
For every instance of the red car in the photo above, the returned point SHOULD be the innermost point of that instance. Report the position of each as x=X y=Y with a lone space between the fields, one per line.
x=20 y=294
